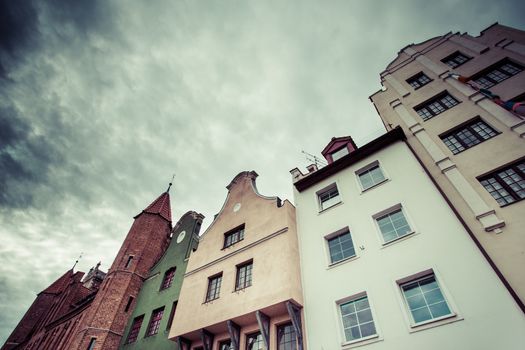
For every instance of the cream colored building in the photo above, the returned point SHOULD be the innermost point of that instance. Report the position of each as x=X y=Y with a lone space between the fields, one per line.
x=472 y=148
x=242 y=287
x=385 y=262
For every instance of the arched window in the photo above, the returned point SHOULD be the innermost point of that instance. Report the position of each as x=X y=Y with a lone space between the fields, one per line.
x=168 y=278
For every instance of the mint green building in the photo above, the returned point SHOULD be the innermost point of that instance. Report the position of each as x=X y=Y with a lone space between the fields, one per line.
x=156 y=304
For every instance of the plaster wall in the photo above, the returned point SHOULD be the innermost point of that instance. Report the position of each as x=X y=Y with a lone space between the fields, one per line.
x=270 y=241
x=486 y=316
x=506 y=249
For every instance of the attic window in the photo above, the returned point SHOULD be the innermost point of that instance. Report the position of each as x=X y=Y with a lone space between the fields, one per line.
x=233 y=236
x=340 y=153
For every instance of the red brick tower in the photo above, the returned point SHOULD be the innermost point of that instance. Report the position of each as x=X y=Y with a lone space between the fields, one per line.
x=104 y=323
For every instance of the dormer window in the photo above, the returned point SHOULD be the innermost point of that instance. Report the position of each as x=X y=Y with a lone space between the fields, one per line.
x=234 y=236
x=337 y=148
x=340 y=153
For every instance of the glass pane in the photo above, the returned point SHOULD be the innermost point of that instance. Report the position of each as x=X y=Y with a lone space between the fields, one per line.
x=347 y=308
x=364 y=316
x=421 y=315
x=350 y=320
x=439 y=309
x=416 y=301
x=368 y=329
x=434 y=296
x=362 y=304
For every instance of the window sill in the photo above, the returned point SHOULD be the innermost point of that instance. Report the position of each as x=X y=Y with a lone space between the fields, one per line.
x=400 y=239
x=361 y=342
x=330 y=207
x=435 y=323
x=237 y=291
x=374 y=186
x=210 y=301
x=341 y=262
x=231 y=245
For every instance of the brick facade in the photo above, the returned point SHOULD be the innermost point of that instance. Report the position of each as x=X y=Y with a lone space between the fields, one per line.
x=72 y=311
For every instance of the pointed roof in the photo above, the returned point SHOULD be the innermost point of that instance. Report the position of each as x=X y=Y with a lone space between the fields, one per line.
x=337 y=142
x=160 y=206
x=60 y=284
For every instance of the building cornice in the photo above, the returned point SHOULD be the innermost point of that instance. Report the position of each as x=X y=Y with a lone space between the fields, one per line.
x=370 y=148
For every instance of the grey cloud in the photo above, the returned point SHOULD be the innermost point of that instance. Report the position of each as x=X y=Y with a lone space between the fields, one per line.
x=105 y=100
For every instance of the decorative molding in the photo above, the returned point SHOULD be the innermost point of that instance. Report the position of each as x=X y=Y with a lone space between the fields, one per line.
x=469 y=44
x=224 y=257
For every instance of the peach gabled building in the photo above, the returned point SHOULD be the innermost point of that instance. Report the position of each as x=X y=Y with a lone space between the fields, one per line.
x=242 y=287
x=472 y=148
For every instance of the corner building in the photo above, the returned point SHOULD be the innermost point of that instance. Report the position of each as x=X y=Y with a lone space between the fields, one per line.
x=242 y=287
x=385 y=262
x=472 y=147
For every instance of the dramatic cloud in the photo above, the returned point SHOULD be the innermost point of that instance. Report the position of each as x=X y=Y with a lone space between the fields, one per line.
x=101 y=102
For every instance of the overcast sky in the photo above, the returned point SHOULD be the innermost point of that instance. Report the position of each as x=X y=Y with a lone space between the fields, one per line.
x=102 y=101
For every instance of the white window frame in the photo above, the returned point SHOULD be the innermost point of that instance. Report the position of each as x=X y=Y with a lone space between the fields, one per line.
x=334 y=234
x=454 y=315
x=324 y=190
x=339 y=318
x=388 y=211
x=360 y=171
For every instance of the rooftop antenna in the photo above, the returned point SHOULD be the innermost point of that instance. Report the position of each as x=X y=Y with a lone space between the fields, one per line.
x=76 y=262
x=311 y=158
x=171 y=183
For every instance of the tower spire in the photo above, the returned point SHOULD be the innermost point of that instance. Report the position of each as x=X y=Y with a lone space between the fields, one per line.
x=171 y=183
x=76 y=262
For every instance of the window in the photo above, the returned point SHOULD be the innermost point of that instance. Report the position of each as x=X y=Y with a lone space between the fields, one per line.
x=340 y=245
x=357 y=319
x=455 y=60
x=286 y=338
x=91 y=345
x=328 y=197
x=244 y=276
x=168 y=278
x=154 y=323
x=172 y=315
x=234 y=236
x=370 y=175
x=497 y=73
x=418 y=80
x=128 y=304
x=468 y=136
x=225 y=345
x=506 y=185
x=425 y=300
x=130 y=260
x=393 y=225
x=436 y=105
x=254 y=342
x=214 y=287
x=340 y=153
x=135 y=328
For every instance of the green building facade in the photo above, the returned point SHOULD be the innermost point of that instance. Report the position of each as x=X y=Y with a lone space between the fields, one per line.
x=156 y=304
